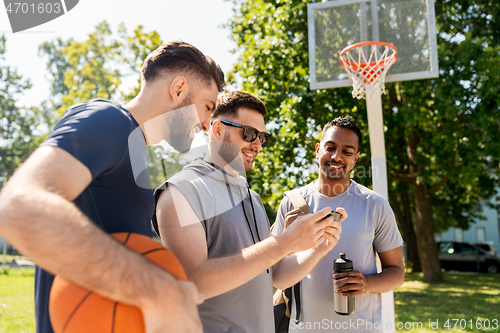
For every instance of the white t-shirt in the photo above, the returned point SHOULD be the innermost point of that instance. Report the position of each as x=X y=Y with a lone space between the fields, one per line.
x=370 y=227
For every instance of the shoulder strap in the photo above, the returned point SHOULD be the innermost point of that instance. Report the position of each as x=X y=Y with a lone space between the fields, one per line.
x=296 y=292
x=298 y=201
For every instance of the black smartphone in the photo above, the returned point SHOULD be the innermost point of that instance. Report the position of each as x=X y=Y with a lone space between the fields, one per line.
x=336 y=216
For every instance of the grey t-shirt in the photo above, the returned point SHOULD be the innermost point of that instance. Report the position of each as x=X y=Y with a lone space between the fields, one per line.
x=221 y=202
x=370 y=227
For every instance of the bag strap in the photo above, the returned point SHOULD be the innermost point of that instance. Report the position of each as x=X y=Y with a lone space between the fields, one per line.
x=296 y=292
x=299 y=202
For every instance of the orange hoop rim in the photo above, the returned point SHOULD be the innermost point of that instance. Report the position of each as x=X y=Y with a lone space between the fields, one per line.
x=362 y=65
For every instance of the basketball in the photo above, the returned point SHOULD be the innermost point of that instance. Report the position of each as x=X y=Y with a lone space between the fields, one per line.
x=73 y=309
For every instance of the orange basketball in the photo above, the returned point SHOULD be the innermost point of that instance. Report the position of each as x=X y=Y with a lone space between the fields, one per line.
x=73 y=309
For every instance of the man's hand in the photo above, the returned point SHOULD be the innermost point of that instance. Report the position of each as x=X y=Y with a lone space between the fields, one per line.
x=392 y=276
x=355 y=282
x=292 y=216
x=331 y=233
x=294 y=268
x=177 y=313
x=306 y=231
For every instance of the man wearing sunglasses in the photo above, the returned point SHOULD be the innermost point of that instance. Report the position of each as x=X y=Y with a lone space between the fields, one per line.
x=220 y=231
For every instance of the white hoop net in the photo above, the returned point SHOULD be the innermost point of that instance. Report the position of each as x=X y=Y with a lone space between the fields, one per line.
x=368 y=73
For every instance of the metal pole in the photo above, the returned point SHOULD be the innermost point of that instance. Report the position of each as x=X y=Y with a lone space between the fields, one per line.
x=377 y=143
x=375 y=30
x=364 y=27
x=4 y=254
x=379 y=179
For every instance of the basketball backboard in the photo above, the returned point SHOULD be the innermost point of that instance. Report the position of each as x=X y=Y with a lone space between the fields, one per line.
x=410 y=25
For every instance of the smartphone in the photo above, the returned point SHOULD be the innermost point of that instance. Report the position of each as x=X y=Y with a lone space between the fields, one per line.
x=336 y=216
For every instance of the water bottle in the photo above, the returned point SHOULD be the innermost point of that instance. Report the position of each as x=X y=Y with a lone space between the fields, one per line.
x=344 y=305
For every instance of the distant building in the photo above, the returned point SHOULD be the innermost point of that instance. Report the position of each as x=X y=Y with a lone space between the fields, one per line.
x=480 y=231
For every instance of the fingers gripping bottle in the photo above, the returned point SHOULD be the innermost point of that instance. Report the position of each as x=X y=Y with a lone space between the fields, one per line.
x=344 y=305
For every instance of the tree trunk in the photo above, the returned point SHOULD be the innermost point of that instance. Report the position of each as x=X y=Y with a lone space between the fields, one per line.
x=424 y=221
x=405 y=221
x=412 y=247
x=424 y=228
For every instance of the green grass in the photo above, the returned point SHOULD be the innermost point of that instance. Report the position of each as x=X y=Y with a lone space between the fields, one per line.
x=17 y=311
x=10 y=257
x=461 y=296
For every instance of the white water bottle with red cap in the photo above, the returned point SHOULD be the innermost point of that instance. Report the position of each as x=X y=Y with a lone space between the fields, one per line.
x=344 y=305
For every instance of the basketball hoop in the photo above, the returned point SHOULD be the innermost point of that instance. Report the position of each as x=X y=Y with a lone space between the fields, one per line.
x=368 y=73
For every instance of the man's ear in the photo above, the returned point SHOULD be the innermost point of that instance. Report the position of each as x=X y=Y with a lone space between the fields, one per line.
x=179 y=89
x=357 y=156
x=217 y=130
x=317 y=149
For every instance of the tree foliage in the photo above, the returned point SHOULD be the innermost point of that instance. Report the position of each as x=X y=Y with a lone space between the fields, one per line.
x=78 y=71
x=273 y=64
x=22 y=128
x=97 y=67
x=139 y=45
x=442 y=137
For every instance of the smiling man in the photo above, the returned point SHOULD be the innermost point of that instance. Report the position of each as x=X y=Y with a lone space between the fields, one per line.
x=89 y=179
x=220 y=231
x=370 y=228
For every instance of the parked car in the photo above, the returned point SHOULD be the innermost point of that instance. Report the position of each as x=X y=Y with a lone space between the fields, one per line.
x=487 y=246
x=465 y=256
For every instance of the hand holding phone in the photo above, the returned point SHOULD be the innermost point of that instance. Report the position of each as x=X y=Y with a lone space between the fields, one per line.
x=336 y=216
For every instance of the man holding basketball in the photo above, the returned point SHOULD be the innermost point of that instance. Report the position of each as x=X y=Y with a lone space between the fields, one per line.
x=86 y=180
x=220 y=231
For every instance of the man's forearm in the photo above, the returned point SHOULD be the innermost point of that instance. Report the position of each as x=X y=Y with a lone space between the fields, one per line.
x=60 y=239
x=389 y=279
x=295 y=267
x=217 y=276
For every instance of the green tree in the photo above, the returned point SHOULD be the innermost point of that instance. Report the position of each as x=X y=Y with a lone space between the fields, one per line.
x=22 y=128
x=96 y=67
x=138 y=46
x=443 y=134
x=84 y=70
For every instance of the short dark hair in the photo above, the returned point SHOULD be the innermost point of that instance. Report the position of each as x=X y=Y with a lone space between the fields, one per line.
x=344 y=122
x=182 y=57
x=228 y=104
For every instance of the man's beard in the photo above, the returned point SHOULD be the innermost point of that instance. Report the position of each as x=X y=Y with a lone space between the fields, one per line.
x=231 y=154
x=181 y=127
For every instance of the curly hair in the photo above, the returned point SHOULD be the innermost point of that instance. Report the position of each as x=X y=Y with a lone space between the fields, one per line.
x=344 y=122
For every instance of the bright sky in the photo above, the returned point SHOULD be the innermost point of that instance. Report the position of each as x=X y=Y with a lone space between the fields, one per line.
x=194 y=21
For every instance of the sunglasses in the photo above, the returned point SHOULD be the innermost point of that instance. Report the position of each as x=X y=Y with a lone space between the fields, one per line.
x=250 y=133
